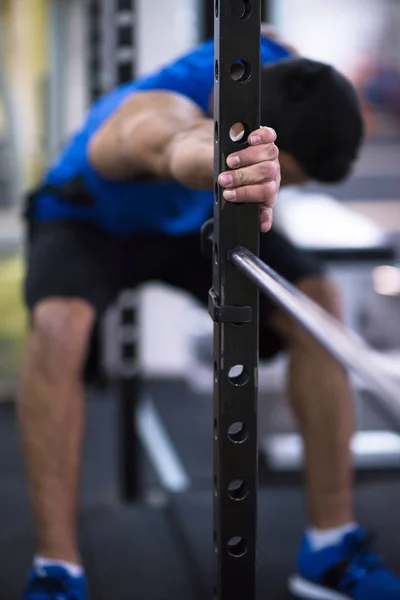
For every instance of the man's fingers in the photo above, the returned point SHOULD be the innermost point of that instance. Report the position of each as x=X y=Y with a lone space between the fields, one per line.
x=256 y=173
x=264 y=135
x=266 y=218
x=264 y=192
x=252 y=155
x=261 y=147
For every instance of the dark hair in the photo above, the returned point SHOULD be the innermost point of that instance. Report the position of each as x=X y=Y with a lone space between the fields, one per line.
x=316 y=114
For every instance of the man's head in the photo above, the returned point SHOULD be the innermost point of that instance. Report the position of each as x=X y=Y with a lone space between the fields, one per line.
x=316 y=114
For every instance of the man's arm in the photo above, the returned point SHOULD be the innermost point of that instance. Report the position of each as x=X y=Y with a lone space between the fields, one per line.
x=165 y=136
x=159 y=135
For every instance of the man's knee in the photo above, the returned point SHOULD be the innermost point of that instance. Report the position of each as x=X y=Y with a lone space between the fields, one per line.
x=60 y=334
x=323 y=292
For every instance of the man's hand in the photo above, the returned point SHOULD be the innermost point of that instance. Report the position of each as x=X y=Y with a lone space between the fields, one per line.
x=166 y=136
x=255 y=174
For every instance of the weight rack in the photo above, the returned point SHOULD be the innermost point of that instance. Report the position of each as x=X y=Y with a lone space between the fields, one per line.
x=233 y=306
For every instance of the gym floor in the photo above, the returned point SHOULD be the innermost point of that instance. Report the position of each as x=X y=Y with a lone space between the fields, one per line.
x=161 y=548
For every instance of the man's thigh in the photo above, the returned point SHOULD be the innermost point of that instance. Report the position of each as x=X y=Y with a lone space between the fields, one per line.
x=294 y=265
x=68 y=260
x=289 y=261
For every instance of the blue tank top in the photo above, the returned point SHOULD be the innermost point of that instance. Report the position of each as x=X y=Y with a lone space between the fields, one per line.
x=134 y=207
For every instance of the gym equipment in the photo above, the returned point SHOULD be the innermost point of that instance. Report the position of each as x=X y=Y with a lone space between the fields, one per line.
x=348 y=348
x=208 y=15
x=111 y=62
x=233 y=306
x=112 y=53
x=353 y=255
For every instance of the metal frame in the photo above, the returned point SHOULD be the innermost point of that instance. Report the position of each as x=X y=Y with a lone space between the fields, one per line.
x=120 y=362
x=208 y=15
x=112 y=62
x=112 y=48
x=233 y=306
x=234 y=309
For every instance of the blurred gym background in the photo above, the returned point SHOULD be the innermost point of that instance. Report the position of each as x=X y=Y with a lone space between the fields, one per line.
x=45 y=88
x=55 y=56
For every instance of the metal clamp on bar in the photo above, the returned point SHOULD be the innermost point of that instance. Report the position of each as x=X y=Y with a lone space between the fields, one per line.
x=228 y=314
x=234 y=300
x=221 y=314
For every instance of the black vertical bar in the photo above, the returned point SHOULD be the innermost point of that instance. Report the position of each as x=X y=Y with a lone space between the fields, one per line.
x=237 y=100
x=266 y=11
x=130 y=387
x=208 y=16
x=208 y=19
x=112 y=62
x=130 y=463
x=130 y=383
x=93 y=8
x=111 y=44
x=125 y=56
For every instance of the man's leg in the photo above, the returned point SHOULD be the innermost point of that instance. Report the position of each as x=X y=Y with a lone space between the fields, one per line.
x=73 y=273
x=51 y=421
x=336 y=559
x=319 y=390
x=321 y=399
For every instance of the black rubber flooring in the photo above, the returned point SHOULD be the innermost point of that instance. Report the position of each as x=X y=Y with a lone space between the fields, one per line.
x=141 y=552
x=281 y=520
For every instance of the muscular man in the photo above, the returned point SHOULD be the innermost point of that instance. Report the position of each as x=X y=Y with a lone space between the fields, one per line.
x=123 y=204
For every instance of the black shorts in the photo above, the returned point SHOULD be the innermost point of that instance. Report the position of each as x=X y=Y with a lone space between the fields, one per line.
x=81 y=261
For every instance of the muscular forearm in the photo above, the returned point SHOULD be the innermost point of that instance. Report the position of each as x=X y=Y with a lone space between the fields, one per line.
x=190 y=157
x=157 y=134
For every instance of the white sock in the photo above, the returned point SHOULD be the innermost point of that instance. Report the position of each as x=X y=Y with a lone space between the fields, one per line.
x=73 y=569
x=323 y=538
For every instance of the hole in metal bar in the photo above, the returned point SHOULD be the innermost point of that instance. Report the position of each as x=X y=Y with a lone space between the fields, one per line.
x=128 y=316
x=216 y=430
x=216 y=191
x=215 y=542
x=216 y=253
x=241 y=9
x=129 y=351
x=237 y=433
x=238 y=490
x=215 y=371
x=217 y=8
x=215 y=486
x=237 y=547
x=238 y=132
x=238 y=375
x=216 y=131
x=216 y=70
x=240 y=71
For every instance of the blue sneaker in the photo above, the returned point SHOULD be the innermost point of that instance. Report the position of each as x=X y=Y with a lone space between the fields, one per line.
x=349 y=571
x=54 y=583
